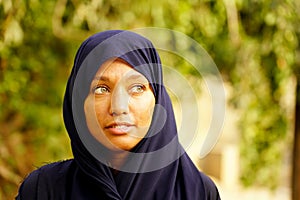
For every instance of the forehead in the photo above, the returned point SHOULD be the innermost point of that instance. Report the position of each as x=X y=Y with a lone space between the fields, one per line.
x=117 y=69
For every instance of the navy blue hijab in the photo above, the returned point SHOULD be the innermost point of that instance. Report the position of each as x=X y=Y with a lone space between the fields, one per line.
x=157 y=168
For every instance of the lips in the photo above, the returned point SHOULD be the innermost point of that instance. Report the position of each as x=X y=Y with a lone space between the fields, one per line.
x=119 y=127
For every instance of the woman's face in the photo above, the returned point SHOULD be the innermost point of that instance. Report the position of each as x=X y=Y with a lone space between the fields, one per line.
x=119 y=106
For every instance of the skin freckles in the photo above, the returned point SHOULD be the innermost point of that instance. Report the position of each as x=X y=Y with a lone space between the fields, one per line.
x=119 y=106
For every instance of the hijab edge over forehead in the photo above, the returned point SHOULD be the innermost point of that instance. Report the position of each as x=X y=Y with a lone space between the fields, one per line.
x=118 y=44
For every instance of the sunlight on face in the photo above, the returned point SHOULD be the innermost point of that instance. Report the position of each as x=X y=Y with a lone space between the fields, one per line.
x=119 y=106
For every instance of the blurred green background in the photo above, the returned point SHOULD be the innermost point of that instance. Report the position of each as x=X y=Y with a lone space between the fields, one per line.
x=254 y=44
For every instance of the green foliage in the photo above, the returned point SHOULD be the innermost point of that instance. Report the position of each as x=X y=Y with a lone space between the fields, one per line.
x=33 y=70
x=254 y=44
x=264 y=64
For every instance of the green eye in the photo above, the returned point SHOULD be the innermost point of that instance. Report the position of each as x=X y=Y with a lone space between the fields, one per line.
x=100 y=90
x=137 y=89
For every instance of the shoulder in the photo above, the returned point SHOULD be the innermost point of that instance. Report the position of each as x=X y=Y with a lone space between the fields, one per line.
x=210 y=188
x=203 y=182
x=45 y=177
x=204 y=187
x=51 y=171
x=56 y=168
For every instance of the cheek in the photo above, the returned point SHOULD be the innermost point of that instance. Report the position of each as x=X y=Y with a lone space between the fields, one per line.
x=90 y=115
x=143 y=112
x=94 y=112
x=101 y=110
x=146 y=116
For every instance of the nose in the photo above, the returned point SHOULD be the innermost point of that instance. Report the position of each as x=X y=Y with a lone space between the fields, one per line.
x=119 y=102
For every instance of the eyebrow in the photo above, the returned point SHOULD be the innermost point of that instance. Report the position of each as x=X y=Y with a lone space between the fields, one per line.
x=101 y=78
x=132 y=76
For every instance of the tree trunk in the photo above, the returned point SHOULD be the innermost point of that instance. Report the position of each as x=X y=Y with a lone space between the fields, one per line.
x=296 y=151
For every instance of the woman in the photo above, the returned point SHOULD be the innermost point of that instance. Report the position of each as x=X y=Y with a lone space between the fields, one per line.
x=123 y=134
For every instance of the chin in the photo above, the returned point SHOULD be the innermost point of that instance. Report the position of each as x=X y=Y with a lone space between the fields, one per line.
x=123 y=146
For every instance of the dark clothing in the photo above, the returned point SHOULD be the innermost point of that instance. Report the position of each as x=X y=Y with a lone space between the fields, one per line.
x=65 y=180
x=157 y=168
